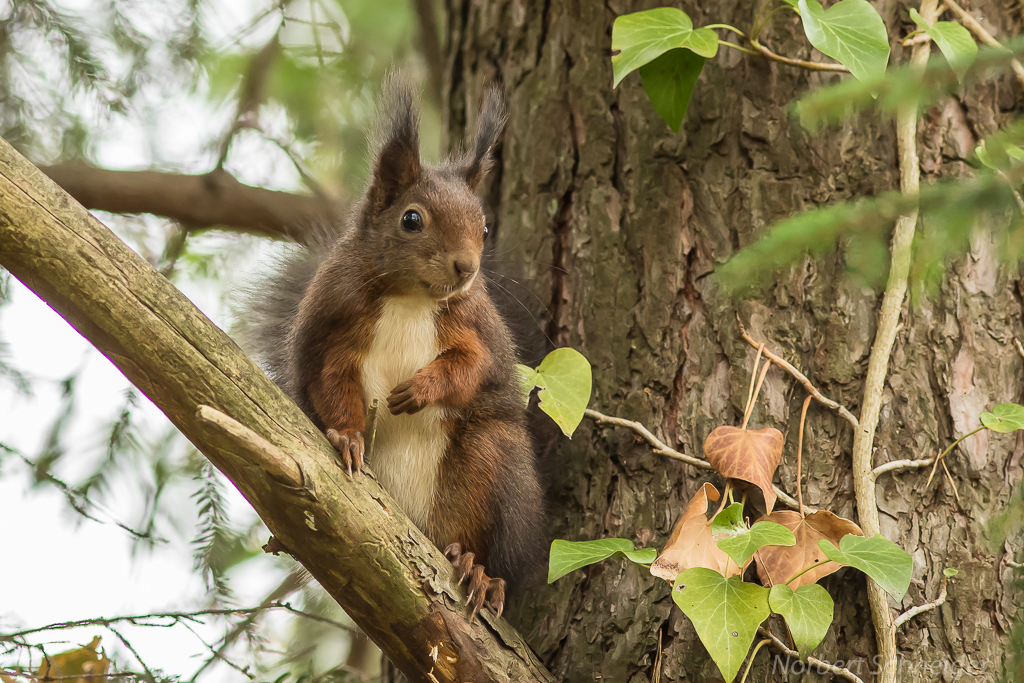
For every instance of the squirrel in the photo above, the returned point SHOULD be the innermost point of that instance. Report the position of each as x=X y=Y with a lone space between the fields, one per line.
x=397 y=309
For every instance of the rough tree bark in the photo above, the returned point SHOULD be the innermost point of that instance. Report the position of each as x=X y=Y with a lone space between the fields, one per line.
x=615 y=225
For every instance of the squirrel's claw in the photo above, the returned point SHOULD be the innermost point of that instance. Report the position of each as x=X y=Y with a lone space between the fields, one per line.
x=482 y=589
x=350 y=447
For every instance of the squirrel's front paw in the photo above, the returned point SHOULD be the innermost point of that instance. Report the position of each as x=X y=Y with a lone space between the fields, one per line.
x=410 y=396
x=350 y=447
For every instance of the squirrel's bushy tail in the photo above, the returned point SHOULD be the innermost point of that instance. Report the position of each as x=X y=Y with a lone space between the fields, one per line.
x=269 y=305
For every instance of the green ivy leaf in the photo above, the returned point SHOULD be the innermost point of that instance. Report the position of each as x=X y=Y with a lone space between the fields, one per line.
x=738 y=542
x=1004 y=418
x=565 y=380
x=669 y=81
x=808 y=612
x=642 y=36
x=889 y=565
x=568 y=556
x=955 y=42
x=851 y=32
x=949 y=572
x=527 y=380
x=725 y=612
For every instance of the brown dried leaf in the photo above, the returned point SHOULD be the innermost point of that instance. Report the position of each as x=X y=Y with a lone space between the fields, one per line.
x=777 y=564
x=86 y=662
x=748 y=455
x=691 y=544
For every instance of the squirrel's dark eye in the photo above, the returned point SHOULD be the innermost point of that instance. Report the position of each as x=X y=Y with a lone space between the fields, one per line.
x=412 y=222
x=487 y=231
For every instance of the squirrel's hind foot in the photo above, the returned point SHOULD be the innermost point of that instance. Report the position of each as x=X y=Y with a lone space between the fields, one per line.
x=482 y=588
x=350 y=447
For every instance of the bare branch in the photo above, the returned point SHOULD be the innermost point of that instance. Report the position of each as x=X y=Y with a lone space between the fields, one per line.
x=295 y=580
x=984 y=36
x=254 y=448
x=661 y=448
x=881 y=351
x=902 y=465
x=251 y=94
x=214 y=200
x=914 y=611
x=813 y=661
x=175 y=617
x=800 y=377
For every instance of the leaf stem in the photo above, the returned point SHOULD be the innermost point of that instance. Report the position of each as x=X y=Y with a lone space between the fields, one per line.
x=727 y=27
x=799 y=454
x=750 y=662
x=753 y=375
x=802 y=63
x=940 y=456
x=757 y=392
x=804 y=571
x=800 y=377
x=738 y=47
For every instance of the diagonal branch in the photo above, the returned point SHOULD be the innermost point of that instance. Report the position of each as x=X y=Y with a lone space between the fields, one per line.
x=348 y=532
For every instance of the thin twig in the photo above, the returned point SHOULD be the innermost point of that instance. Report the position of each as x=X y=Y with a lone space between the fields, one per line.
x=799 y=455
x=17 y=673
x=194 y=616
x=949 y=478
x=251 y=95
x=660 y=448
x=215 y=653
x=1020 y=349
x=984 y=36
x=149 y=673
x=825 y=666
x=295 y=580
x=941 y=456
x=304 y=172
x=802 y=63
x=800 y=377
x=914 y=611
x=757 y=392
x=901 y=465
x=753 y=378
x=1016 y=195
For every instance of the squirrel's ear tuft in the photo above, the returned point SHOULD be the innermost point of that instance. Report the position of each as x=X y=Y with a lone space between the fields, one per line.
x=397 y=143
x=488 y=129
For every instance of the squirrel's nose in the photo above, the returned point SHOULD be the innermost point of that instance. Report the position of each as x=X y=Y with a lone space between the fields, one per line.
x=464 y=268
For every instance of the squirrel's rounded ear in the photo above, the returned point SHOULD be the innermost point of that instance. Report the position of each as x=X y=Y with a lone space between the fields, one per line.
x=488 y=129
x=397 y=161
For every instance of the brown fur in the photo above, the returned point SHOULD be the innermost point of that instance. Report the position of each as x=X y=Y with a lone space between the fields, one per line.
x=487 y=497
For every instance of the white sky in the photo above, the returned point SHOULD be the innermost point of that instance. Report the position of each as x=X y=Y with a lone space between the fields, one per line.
x=60 y=566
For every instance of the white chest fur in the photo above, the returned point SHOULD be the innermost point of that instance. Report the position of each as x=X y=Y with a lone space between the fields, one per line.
x=407 y=449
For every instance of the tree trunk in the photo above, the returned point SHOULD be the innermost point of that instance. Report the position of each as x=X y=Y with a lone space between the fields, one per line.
x=614 y=224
